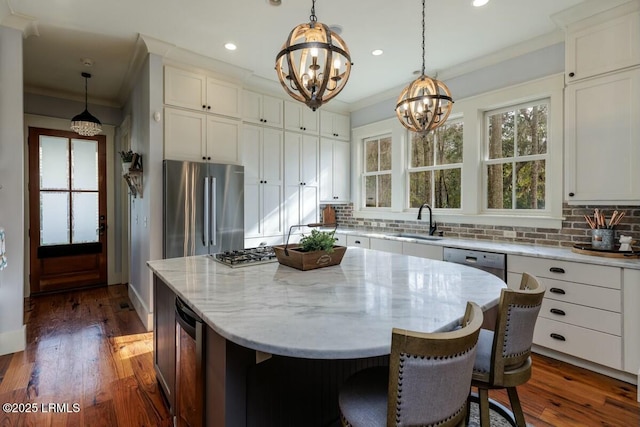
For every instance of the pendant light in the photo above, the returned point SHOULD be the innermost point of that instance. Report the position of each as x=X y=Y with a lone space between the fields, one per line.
x=314 y=63
x=426 y=103
x=84 y=123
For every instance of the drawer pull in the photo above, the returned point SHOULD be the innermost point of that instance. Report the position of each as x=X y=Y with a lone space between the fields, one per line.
x=557 y=291
x=358 y=242
x=558 y=312
x=557 y=337
x=557 y=270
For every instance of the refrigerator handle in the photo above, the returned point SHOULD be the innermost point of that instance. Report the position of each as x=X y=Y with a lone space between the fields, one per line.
x=205 y=228
x=214 y=226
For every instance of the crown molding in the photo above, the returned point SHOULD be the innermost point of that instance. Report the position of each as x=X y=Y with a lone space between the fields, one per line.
x=27 y=25
x=591 y=8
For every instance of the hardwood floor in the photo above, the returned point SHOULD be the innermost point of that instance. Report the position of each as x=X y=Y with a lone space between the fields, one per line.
x=89 y=348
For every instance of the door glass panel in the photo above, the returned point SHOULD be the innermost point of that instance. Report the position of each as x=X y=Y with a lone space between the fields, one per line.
x=54 y=163
x=84 y=157
x=54 y=218
x=85 y=217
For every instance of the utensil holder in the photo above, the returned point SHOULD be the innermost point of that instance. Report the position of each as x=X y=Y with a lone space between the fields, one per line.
x=602 y=238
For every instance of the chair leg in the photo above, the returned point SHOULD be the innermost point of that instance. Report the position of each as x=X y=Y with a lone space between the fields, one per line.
x=483 y=406
x=516 y=407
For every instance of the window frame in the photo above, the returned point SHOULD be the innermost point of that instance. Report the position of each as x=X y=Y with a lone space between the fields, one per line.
x=433 y=168
x=486 y=161
x=365 y=174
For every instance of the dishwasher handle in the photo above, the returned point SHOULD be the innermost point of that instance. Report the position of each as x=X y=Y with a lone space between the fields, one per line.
x=186 y=318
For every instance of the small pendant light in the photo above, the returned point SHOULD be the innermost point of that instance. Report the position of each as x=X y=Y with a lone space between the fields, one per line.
x=84 y=123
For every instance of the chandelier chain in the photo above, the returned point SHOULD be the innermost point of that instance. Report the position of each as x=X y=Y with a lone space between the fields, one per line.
x=313 y=17
x=423 y=31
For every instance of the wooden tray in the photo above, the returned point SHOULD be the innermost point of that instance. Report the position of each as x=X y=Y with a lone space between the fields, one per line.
x=308 y=260
x=587 y=249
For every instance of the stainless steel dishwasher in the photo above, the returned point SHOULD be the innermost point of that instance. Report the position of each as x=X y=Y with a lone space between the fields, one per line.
x=492 y=262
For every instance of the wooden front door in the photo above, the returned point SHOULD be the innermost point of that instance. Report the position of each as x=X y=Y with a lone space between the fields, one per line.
x=67 y=210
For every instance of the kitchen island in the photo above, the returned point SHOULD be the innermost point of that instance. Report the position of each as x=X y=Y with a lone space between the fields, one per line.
x=279 y=341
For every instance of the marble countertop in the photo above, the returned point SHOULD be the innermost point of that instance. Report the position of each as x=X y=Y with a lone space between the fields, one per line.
x=564 y=254
x=344 y=311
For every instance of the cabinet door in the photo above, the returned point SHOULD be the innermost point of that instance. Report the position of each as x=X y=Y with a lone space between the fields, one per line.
x=335 y=125
x=251 y=107
x=358 y=241
x=272 y=208
x=309 y=160
x=164 y=338
x=309 y=204
x=185 y=89
x=601 y=139
x=223 y=140
x=326 y=170
x=300 y=118
x=184 y=135
x=598 y=49
x=223 y=98
x=341 y=171
x=422 y=250
x=251 y=157
x=292 y=155
x=253 y=210
x=384 y=245
x=272 y=111
x=272 y=145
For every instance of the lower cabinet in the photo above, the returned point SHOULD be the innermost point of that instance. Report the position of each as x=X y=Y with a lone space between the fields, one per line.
x=385 y=245
x=164 y=339
x=581 y=314
x=358 y=241
x=423 y=251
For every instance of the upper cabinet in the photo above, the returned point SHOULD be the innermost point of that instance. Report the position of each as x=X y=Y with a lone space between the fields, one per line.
x=335 y=167
x=602 y=130
x=197 y=91
x=300 y=118
x=333 y=125
x=602 y=106
x=262 y=109
x=194 y=136
x=608 y=46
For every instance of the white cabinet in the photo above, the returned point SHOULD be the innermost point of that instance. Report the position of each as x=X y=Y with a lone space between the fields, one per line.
x=197 y=91
x=581 y=314
x=193 y=136
x=341 y=239
x=631 y=319
x=300 y=118
x=263 y=194
x=301 y=179
x=385 y=245
x=335 y=167
x=602 y=130
x=600 y=48
x=358 y=241
x=262 y=109
x=333 y=125
x=423 y=250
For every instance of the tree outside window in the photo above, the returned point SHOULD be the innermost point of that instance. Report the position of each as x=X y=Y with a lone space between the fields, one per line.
x=435 y=167
x=516 y=155
x=377 y=173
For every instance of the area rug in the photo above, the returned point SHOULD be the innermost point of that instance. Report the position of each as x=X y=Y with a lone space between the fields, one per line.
x=495 y=418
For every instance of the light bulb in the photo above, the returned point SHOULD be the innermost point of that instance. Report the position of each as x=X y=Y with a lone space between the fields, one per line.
x=314 y=52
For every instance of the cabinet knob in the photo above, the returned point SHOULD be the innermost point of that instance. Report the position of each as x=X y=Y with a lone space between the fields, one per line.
x=208 y=158
x=204 y=106
x=572 y=194
x=572 y=74
x=304 y=128
x=208 y=107
x=204 y=158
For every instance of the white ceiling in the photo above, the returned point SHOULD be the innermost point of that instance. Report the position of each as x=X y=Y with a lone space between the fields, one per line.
x=106 y=31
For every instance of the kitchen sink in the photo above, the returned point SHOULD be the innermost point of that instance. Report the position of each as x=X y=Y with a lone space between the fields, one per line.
x=415 y=236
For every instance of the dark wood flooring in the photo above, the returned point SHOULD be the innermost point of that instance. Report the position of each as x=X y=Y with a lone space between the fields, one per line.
x=89 y=348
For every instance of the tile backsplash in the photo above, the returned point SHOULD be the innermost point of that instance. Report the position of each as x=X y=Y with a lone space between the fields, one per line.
x=574 y=227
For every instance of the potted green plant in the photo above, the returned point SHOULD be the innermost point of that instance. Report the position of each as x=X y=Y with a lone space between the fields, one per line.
x=315 y=250
x=127 y=160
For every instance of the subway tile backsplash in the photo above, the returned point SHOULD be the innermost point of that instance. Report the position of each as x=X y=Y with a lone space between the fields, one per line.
x=574 y=227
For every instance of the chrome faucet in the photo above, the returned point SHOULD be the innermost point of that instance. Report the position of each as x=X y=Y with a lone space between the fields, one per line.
x=432 y=226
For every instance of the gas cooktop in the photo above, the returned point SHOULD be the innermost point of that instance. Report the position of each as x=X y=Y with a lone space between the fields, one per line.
x=246 y=257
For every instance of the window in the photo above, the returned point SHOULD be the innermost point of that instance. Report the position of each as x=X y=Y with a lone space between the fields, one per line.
x=435 y=167
x=516 y=157
x=377 y=173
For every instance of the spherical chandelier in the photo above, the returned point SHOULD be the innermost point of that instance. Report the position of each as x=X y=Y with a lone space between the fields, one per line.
x=426 y=103
x=314 y=63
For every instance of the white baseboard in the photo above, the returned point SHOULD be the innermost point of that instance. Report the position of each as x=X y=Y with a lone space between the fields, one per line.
x=141 y=309
x=13 y=341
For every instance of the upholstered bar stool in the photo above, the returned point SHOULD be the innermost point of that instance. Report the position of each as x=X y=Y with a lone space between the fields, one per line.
x=427 y=381
x=503 y=358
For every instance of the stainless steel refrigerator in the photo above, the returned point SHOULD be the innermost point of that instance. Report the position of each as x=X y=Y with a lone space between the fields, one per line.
x=203 y=208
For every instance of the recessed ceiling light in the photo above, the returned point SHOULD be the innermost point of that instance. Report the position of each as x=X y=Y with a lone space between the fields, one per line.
x=230 y=46
x=377 y=52
x=336 y=29
x=478 y=3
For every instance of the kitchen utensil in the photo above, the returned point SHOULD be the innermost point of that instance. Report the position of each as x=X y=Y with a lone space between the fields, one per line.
x=328 y=215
